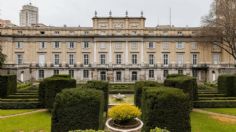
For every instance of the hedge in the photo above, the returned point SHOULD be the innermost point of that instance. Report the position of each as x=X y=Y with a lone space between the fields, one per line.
x=186 y=83
x=227 y=84
x=138 y=89
x=62 y=75
x=7 y=85
x=166 y=107
x=49 y=87
x=174 y=75
x=100 y=85
x=215 y=104
x=78 y=109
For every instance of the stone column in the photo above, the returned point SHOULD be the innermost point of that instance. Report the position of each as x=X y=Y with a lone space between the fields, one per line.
x=95 y=53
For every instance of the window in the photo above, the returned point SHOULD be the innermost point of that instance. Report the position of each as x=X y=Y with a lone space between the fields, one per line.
x=86 y=44
x=71 y=45
x=56 y=44
x=118 y=76
x=41 y=60
x=134 y=58
x=134 y=45
x=102 y=46
x=56 y=59
x=56 y=72
x=194 y=59
x=165 y=59
x=102 y=59
x=180 y=59
x=42 y=45
x=134 y=76
x=151 y=59
x=165 y=46
x=165 y=33
x=180 y=45
x=19 y=45
x=86 y=59
x=151 y=45
x=180 y=33
x=118 y=58
x=41 y=74
x=194 y=72
x=180 y=72
x=165 y=73
x=194 y=45
x=71 y=59
x=71 y=73
x=57 y=32
x=86 y=74
x=118 y=46
x=151 y=74
x=216 y=58
x=19 y=59
x=103 y=75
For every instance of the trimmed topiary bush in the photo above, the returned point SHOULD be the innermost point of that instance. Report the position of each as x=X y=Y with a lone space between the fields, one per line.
x=49 y=87
x=138 y=87
x=227 y=84
x=78 y=109
x=100 y=85
x=186 y=83
x=7 y=85
x=166 y=107
x=62 y=75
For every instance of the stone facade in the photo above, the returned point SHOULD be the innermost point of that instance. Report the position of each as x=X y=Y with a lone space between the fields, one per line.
x=118 y=49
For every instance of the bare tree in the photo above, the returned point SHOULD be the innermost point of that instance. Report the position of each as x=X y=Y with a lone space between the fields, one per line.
x=220 y=25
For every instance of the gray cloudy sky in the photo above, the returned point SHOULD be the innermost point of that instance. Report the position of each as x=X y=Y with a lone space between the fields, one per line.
x=80 y=12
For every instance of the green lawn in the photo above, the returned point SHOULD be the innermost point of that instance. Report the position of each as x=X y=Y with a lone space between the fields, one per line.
x=12 y=112
x=129 y=98
x=229 y=111
x=42 y=122
x=28 y=123
x=205 y=123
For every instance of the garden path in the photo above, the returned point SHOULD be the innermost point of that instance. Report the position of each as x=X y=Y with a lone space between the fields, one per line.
x=25 y=113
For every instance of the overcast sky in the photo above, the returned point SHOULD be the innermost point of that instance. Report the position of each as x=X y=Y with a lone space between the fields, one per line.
x=80 y=12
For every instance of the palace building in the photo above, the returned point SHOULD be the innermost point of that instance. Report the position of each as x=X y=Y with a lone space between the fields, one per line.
x=116 y=49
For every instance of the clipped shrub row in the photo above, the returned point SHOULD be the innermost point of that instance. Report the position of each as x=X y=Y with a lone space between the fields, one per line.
x=49 y=87
x=186 y=83
x=227 y=85
x=7 y=85
x=100 y=85
x=78 y=109
x=166 y=107
x=23 y=85
x=62 y=75
x=138 y=87
x=174 y=75
x=215 y=104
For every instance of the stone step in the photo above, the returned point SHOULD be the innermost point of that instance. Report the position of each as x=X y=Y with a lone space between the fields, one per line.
x=20 y=105
x=19 y=100
x=215 y=104
x=217 y=98
x=21 y=96
x=211 y=95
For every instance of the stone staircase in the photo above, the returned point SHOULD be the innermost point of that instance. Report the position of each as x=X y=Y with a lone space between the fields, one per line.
x=213 y=99
x=22 y=99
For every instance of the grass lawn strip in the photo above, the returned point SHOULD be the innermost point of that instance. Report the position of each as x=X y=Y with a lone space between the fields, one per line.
x=214 y=113
x=228 y=111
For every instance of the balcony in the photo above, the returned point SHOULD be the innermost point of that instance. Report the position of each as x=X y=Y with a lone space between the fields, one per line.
x=15 y=66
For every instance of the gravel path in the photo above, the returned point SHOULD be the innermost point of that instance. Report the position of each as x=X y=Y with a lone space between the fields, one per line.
x=214 y=114
x=20 y=114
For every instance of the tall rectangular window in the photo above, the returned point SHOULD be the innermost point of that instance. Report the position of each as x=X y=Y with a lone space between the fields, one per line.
x=180 y=59
x=134 y=58
x=86 y=74
x=118 y=76
x=103 y=75
x=42 y=45
x=194 y=45
x=134 y=45
x=19 y=59
x=216 y=58
x=71 y=45
x=56 y=44
x=180 y=72
x=118 y=58
x=165 y=59
x=56 y=72
x=118 y=45
x=86 y=59
x=151 y=59
x=56 y=59
x=165 y=73
x=71 y=59
x=19 y=45
x=194 y=59
x=102 y=59
x=179 y=45
x=151 y=74
x=165 y=46
x=85 y=44
x=151 y=45
x=41 y=74
x=134 y=76
x=71 y=73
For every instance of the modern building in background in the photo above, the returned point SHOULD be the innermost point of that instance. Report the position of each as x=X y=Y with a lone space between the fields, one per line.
x=116 y=49
x=29 y=15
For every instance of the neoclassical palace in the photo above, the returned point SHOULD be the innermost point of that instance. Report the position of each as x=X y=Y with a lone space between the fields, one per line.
x=117 y=49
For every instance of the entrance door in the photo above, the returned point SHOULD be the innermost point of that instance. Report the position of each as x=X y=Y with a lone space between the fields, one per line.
x=41 y=60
